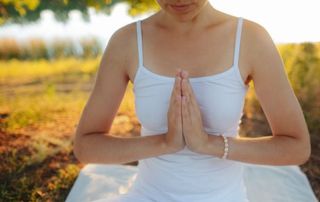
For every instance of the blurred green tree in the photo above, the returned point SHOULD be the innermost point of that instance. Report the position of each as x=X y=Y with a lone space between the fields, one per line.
x=24 y=11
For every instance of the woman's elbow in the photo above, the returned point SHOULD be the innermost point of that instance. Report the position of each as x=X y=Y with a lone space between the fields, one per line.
x=304 y=152
x=77 y=150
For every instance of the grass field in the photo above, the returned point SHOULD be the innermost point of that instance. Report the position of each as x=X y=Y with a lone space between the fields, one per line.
x=40 y=106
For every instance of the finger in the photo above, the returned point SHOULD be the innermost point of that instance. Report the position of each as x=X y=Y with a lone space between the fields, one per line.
x=185 y=118
x=178 y=111
x=175 y=90
x=178 y=72
x=189 y=107
x=185 y=111
x=177 y=95
x=184 y=88
x=179 y=105
x=187 y=92
x=178 y=86
x=174 y=99
x=189 y=89
x=185 y=79
x=190 y=92
x=189 y=103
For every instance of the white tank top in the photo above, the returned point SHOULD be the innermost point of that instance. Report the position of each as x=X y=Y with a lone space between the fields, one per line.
x=186 y=176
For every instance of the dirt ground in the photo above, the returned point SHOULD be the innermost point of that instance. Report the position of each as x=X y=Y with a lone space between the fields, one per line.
x=40 y=177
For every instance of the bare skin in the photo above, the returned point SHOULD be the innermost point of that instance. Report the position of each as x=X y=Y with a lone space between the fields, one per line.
x=174 y=137
x=181 y=42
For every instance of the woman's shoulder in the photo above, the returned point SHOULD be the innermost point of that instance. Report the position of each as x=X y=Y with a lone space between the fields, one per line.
x=254 y=30
x=123 y=41
x=124 y=34
x=256 y=43
x=257 y=34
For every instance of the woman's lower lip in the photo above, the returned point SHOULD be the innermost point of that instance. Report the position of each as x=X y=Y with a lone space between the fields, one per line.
x=180 y=8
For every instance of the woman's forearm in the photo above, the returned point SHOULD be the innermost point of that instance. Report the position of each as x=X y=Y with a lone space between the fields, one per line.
x=108 y=149
x=267 y=150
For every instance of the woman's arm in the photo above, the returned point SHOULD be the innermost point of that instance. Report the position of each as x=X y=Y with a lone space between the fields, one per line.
x=104 y=148
x=290 y=140
x=93 y=143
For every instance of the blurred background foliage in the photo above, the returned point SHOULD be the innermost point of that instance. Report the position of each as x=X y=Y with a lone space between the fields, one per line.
x=24 y=11
x=301 y=60
x=35 y=48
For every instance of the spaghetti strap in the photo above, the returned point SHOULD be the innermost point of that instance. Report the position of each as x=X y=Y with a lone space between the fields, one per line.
x=139 y=42
x=237 y=42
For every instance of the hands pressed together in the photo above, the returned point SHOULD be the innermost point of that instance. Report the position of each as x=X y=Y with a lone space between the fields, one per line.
x=184 y=117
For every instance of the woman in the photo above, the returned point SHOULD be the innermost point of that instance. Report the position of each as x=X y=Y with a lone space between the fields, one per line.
x=189 y=149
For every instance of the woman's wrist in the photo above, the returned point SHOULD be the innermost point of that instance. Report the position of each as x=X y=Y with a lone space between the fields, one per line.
x=215 y=146
x=170 y=147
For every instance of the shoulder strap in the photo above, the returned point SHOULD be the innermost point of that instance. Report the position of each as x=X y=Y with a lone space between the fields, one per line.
x=139 y=42
x=237 y=42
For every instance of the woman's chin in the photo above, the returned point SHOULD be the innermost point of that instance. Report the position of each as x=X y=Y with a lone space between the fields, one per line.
x=181 y=9
x=182 y=14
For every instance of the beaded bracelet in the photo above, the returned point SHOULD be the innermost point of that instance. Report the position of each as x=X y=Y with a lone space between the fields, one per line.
x=226 y=147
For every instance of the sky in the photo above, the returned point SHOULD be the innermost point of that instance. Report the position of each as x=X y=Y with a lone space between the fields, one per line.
x=286 y=21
